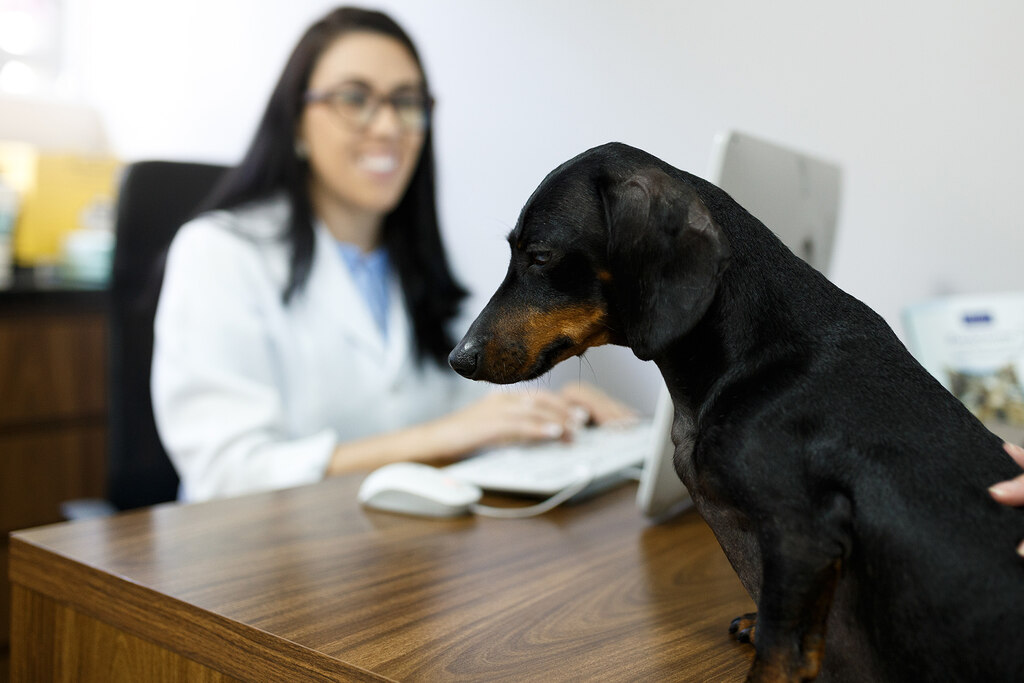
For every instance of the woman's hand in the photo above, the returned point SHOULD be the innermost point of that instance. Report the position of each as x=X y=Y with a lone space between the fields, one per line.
x=500 y=418
x=601 y=409
x=505 y=417
x=1011 y=492
x=530 y=416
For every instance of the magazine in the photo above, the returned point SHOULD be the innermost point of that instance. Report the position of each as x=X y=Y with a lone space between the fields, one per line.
x=974 y=345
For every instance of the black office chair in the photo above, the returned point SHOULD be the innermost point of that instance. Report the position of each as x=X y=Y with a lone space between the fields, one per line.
x=155 y=198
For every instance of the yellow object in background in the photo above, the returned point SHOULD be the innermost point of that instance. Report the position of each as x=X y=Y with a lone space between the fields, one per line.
x=56 y=191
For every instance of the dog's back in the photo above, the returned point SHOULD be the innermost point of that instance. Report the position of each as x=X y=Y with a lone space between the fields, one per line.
x=932 y=588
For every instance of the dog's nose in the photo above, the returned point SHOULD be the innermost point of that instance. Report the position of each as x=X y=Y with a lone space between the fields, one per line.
x=464 y=358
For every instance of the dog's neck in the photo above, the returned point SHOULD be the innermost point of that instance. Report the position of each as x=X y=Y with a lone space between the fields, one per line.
x=745 y=327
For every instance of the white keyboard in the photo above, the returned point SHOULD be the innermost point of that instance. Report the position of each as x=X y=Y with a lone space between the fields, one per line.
x=595 y=454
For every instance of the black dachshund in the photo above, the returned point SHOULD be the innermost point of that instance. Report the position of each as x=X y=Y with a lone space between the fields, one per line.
x=845 y=484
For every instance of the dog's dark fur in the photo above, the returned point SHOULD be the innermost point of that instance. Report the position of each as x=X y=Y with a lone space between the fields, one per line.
x=846 y=486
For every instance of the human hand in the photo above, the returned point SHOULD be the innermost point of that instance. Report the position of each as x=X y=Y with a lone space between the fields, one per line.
x=510 y=417
x=500 y=418
x=1011 y=492
x=601 y=409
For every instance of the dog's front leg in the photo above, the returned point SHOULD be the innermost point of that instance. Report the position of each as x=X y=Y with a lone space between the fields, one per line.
x=802 y=564
x=791 y=623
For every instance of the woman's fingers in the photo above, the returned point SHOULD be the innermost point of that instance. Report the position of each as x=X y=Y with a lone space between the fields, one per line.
x=539 y=415
x=601 y=408
x=1011 y=492
x=1016 y=452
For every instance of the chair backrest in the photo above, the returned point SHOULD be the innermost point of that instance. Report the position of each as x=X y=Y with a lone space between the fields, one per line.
x=155 y=199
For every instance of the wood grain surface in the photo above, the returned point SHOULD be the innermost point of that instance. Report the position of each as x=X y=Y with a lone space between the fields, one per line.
x=53 y=405
x=53 y=368
x=100 y=652
x=303 y=584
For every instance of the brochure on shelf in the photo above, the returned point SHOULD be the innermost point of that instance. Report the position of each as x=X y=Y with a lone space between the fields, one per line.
x=974 y=345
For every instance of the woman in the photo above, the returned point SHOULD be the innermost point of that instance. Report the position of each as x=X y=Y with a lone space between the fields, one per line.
x=302 y=329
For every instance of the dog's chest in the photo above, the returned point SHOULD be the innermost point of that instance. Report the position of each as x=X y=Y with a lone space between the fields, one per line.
x=731 y=527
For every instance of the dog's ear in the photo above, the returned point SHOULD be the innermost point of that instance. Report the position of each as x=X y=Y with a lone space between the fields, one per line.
x=665 y=257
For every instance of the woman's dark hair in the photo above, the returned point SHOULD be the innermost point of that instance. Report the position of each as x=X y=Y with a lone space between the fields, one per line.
x=410 y=232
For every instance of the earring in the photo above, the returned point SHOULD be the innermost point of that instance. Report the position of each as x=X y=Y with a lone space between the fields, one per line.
x=301 y=149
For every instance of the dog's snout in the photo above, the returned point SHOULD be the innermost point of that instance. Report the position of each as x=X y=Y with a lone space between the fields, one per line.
x=465 y=358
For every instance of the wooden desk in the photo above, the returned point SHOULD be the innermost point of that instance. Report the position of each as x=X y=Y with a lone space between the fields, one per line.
x=53 y=410
x=305 y=585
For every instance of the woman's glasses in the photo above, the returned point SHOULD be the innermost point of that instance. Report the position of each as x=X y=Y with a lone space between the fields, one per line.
x=357 y=105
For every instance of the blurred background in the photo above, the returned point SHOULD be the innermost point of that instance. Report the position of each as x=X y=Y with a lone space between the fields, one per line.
x=919 y=101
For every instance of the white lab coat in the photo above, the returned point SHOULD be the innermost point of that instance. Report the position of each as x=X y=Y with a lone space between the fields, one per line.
x=250 y=394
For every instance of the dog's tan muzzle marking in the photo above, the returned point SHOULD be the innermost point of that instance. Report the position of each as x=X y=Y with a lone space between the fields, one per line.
x=529 y=342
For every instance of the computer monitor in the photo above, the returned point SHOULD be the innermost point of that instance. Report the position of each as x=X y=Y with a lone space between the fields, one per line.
x=797 y=196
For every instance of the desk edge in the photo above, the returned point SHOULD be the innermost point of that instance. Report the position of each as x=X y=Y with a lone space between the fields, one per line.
x=229 y=646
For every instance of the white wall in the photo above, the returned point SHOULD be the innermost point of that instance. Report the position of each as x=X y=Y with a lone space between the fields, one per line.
x=920 y=101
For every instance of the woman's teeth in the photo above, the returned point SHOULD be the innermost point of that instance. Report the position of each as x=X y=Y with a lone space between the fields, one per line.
x=379 y=163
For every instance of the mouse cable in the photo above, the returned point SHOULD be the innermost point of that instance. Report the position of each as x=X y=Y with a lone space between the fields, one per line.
x=540 y=508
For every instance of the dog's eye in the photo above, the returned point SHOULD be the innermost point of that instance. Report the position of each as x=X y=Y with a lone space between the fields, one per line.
x=539 y=258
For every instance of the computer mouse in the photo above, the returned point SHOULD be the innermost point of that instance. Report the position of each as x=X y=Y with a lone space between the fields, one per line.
x=416 y=489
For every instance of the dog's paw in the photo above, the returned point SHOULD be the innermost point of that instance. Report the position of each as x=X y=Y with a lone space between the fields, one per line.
x=743 y=628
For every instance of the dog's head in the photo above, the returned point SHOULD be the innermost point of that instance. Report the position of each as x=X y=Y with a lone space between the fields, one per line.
x=614 y=246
